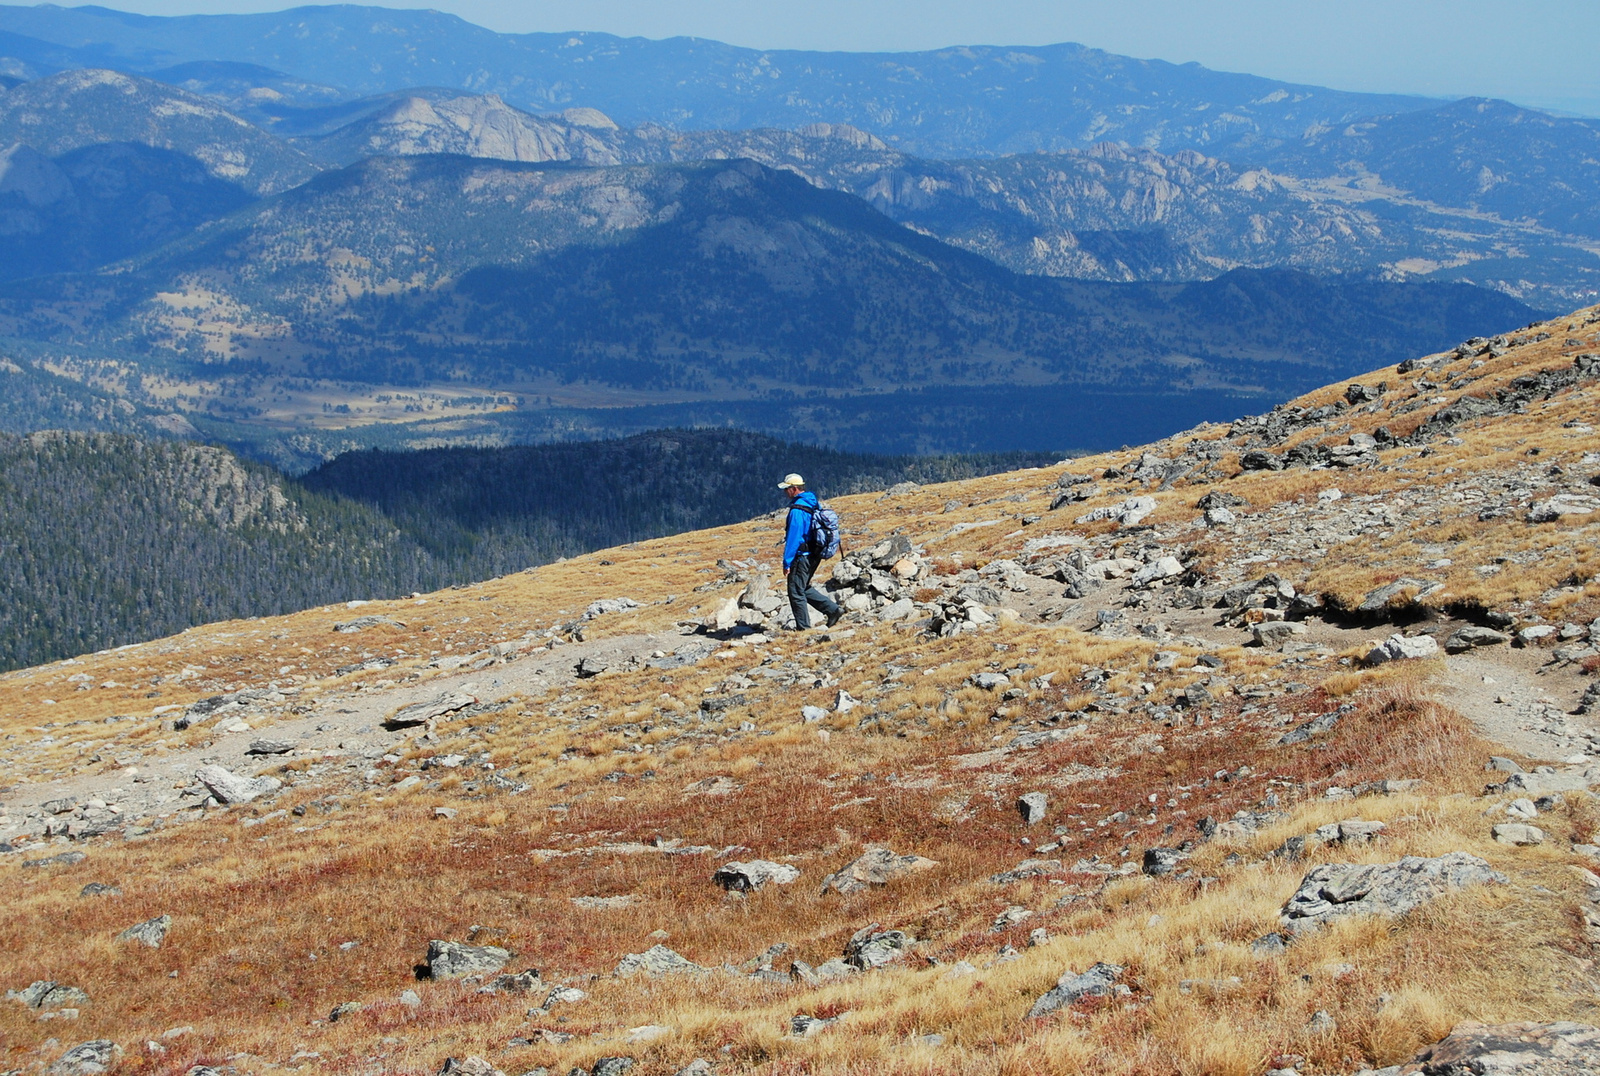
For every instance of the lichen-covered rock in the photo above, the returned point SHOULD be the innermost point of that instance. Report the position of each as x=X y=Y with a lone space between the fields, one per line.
x=454 y=960
x=1096 y=982
x=876 y=866
x=1335 y=890
x=656 y=960
x=1563 y=1048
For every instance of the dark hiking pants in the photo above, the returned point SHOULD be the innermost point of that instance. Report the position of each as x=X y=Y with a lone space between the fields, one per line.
x=802 y=595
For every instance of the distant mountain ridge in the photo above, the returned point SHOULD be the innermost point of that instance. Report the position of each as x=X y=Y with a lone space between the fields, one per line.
x=960 y=101
x=714 y=278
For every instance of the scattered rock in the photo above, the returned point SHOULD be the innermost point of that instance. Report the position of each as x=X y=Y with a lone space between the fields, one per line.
x=1128 y=513
x=362 y=623
x=1562 y=505
x=1276 y=632
x=455 y=960
x=1028 y=868
x=609 y=605
x=87 y=1059
x=229 y=787
x=870 y=948
x=1033 y=806
x=151 y=932
x=469 y=1066
x=876 y=866
x=522 y=982
x=1315 y=727
x=1069 y=989
x=1335 y=890
x=60 y=859
x=419 y=713
x=1400 y=647
x=1517 y=833
x=1472 y=637
x=656 y=960
x=1524 y=1049
x=804 y=1026
x=752 y=875
x=49 y=994
x=1270 y=944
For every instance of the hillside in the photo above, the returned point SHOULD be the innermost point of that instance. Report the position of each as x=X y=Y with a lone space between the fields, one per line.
x=719 y=279
x=1264 y=746
x=111 y=540
x=90 y=107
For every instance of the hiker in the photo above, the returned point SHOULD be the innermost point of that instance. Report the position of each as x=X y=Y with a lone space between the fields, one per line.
x=801 y=556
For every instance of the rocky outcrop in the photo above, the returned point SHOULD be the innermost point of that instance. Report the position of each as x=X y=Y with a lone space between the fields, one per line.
x=876 y=866
x=1336 y=890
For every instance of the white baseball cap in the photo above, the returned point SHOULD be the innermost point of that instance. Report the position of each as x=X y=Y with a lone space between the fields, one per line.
x=791 y=480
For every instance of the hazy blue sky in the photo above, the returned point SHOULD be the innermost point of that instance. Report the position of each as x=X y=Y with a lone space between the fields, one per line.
x=1535 y=52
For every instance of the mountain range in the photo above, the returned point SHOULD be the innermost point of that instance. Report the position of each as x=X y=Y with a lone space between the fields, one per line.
x=228 y=218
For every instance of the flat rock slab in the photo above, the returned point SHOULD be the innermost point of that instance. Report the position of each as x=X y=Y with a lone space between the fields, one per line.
x=751 y=875
x=420 y=713
x=1336 y=890
x=656 y=960
x=151 y=932
x=1070 y=988
x=876 y=866
x=1525 y=1049
x=229 y=787
x=87 y=1058
x=455 y=960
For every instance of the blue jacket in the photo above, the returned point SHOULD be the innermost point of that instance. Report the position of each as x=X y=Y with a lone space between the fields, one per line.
x=799 y=529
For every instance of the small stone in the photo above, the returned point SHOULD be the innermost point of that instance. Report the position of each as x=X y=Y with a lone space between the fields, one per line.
x=871 y=948
x=876 y=866
x=1472 y=637
x=411 y=999
x=656 y=960
x=1402 y=647
x=421 y=713
x=752 y=875
x=1276 y=632
x=151 y=932
x=1269 y=945
x=1523 y=810
x=1033 y=806
x=1096 y=982
x=87 y=1059
x=455 y=960
x=229 y=787
x=1517 y=833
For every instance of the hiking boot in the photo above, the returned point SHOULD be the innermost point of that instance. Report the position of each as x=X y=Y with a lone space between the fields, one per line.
x=835 y=616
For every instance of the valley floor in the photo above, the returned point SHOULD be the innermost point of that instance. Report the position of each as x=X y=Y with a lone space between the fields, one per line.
x=1110 y=713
